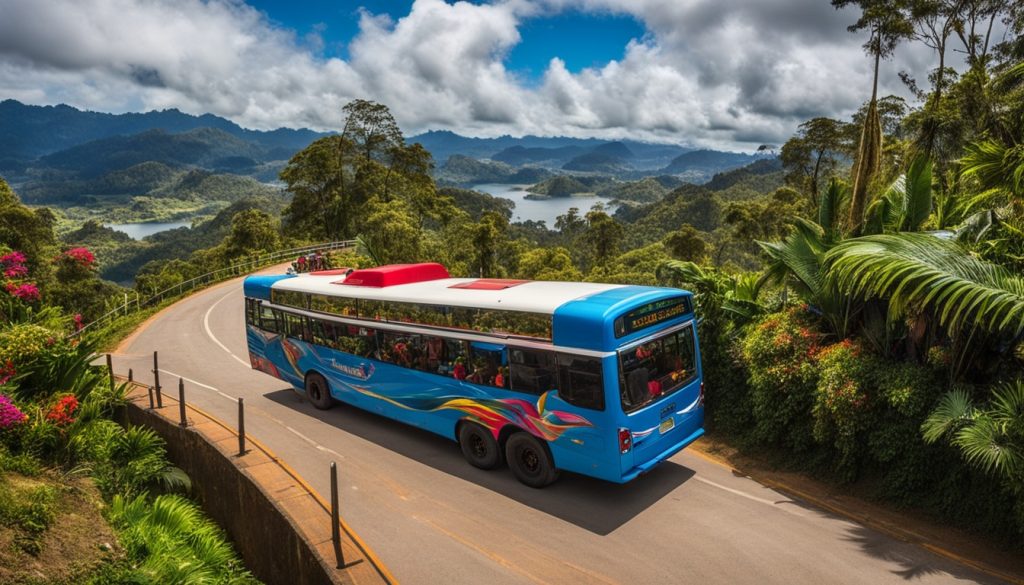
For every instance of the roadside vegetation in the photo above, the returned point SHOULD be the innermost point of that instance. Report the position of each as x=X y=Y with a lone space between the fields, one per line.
x=82 y=498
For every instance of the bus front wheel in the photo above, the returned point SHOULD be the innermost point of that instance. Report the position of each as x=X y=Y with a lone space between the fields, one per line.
x=530 y=461
x=479 y=447
x=318 y=392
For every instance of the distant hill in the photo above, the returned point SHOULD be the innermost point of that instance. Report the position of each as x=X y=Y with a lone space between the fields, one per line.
x=562 y=185
x=28 y=132
x=705 y=163
x=520 y=155
x=465 y=170
x=208 y=148
x=609 y=158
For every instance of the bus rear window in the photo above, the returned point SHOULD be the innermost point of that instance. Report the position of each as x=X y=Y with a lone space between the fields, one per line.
x=655 y=369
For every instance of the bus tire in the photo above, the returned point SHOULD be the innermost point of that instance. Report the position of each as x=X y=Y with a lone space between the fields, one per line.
x=530 y=460
x=479 y=447
x=318 y=392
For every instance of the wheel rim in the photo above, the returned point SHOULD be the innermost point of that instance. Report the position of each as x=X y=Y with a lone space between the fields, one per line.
x=530 y=461
x=314 y=391
x=477 y=446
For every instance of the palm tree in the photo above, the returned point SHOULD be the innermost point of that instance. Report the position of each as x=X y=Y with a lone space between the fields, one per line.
x=919 y=274
x=798 y=259
x=906 y=204
x=990 y=437
x=721 y=298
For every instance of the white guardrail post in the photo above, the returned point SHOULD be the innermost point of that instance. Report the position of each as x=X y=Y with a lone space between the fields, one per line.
x=210 y=277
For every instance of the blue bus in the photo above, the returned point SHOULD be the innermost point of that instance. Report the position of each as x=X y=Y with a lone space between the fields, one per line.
x=598 y=379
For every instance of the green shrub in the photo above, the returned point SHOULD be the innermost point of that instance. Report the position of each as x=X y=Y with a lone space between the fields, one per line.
x=842 y=402
x=779 y=352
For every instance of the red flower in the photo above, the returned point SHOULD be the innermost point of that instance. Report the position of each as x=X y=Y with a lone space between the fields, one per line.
x=61 y=413
x=81 y=255
x=79 y=322
x=7 y=372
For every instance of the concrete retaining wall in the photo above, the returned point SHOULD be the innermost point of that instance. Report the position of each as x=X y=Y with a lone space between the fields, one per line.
x=278 y=524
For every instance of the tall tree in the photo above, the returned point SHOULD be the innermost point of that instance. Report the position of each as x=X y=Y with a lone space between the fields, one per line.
x=602 y=236
x=813 y=153
x=934 y=22
x=371 y=127
x=887 y=23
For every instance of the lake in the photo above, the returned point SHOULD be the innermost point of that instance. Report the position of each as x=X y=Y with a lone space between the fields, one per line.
x=140 y=230
x=545 y=210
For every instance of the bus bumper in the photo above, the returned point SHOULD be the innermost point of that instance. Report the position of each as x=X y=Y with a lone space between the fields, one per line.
x=651 y=463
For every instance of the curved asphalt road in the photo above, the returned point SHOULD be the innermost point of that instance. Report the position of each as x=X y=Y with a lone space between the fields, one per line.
x=432 y=518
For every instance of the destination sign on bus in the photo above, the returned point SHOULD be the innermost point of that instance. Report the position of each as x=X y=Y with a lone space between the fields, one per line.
x=651 y=314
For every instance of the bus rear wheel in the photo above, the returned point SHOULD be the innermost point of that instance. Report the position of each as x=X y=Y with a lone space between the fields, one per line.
x=318 y=392
x=530 y=461
x=479 y=447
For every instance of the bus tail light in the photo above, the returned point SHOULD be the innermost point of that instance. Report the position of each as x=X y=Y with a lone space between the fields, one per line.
x=701 y=397
x=625 y=441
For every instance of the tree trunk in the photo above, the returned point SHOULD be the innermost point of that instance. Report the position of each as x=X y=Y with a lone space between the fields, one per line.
x=868 y=158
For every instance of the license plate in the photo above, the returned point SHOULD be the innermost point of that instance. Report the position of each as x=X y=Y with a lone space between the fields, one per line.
x=666 y=425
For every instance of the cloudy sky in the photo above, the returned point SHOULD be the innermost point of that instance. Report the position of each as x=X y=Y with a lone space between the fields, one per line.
x=723 y=73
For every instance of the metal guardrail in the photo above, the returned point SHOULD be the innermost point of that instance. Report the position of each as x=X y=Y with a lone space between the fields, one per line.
x=221 y=274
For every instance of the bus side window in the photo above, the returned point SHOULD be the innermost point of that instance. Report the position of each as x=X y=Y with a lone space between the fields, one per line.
x=324 y=333
x=298 y=327
x=268 y=320
x=533 y=371
x=488 y=366
x=580 y=382
x=400 y=349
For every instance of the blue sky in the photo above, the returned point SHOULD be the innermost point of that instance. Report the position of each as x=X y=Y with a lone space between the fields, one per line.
x=578 y=38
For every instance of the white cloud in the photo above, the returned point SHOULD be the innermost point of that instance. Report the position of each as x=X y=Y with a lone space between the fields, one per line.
x=725 y=73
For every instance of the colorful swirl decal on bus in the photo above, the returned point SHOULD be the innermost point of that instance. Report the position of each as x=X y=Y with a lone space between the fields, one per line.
x=493 y=413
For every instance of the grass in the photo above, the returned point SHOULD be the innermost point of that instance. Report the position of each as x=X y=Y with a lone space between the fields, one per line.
x=51 y=526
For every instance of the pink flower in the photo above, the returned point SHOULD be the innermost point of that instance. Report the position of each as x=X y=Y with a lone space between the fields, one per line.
x=10 y=415
x=79 y=322
x=27 y=292
x=12 y=258
x=15 y=271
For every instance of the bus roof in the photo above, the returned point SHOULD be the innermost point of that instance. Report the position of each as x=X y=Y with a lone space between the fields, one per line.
x=530 y=296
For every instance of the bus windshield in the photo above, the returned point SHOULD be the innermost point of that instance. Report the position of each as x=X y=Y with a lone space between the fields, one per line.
x=657 y=368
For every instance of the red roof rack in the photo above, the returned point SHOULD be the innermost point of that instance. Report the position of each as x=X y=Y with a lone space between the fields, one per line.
x=489 y=284
x=395 y=274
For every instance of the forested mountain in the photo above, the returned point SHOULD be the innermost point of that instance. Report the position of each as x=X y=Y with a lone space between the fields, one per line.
x=28 y=132
x=701 y=164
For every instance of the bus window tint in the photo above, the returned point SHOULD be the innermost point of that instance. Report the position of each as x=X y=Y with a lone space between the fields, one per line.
x=656 y=368
x=580 y=381
x=489 y=365
x=532 y=371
